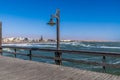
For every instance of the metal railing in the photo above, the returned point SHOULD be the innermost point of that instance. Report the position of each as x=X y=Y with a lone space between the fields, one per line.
x=58 y=56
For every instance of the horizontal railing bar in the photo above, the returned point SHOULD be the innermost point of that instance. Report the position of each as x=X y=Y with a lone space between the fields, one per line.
x=71 y=60
x=15 y=53
x=47 y=57
x=113 y=54
x=39 y=56
x=8 y=52
x=22 y=54
x=91 y=53
x=16 y=47
x=92 y=63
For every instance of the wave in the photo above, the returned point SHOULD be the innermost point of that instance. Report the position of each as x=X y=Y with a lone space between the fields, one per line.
x=76 y=44
x=7 y=49
x=80 y=44
x=118 y=62
x=31 y=45
x=109 y=47
x=64 y=44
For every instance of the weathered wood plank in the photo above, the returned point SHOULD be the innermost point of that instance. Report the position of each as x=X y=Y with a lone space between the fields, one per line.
x=16 y=69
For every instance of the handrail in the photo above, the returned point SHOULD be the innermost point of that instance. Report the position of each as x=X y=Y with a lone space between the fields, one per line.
x=114 y=54
x=58 y=57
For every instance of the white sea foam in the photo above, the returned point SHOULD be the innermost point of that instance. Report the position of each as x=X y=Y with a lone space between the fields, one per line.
x=76 y=44
x=30 y=45
x=118 y=62
x=6 y=49
x=110 y=47
x=80 y=44
x=53 y=45
x=91 y=46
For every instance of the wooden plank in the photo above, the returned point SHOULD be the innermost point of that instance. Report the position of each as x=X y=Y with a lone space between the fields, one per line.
x=16 y=69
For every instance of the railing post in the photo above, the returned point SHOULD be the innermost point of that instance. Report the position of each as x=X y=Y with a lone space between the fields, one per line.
x=104 y=61
x=30 y=54
x=15 y=53
x=58 y=55
x=1 y=38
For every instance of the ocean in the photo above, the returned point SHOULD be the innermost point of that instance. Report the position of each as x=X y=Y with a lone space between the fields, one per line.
x=88 y=46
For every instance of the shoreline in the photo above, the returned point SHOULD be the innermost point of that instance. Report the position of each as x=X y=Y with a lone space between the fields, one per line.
x=54 y=42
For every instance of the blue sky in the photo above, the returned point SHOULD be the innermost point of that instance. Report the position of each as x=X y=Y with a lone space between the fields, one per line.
x=80 y=19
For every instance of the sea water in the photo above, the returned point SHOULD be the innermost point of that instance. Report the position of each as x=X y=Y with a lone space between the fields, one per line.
x=87 y=46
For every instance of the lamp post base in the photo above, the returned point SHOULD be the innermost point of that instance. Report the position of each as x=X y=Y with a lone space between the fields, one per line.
x=58 y=58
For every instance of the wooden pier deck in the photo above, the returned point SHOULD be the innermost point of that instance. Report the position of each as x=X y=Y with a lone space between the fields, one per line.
x=17 y=69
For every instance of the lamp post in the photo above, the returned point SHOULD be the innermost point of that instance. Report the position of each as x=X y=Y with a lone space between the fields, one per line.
x=52 y=23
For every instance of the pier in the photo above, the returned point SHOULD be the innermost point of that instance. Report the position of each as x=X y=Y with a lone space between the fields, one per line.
x=17 y=69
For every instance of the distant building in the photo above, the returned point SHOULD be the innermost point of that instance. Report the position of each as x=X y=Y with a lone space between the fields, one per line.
x=41 y=39
x=17 y=39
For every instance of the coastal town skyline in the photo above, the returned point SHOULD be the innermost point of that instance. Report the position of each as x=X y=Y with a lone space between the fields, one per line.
x=43 y=40
x=80 y=20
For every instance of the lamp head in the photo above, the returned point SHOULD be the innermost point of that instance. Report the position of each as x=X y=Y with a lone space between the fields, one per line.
x=51 y=22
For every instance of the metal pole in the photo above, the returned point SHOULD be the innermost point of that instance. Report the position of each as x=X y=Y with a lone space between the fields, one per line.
x=15 y=53
x=58 y=54
x=104 y=60
x=1 y=38
x=30 y=55
x=58 y=28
